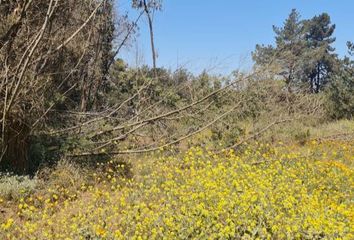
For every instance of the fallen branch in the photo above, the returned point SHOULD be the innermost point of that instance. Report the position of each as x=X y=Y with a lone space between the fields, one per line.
x=236 y=145
x=161 y=146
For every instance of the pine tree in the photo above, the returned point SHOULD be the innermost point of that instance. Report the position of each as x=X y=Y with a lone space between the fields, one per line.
x=290 y=45
x=288 y=50
x=303 y=55
x=319 y=31
x=292 y=31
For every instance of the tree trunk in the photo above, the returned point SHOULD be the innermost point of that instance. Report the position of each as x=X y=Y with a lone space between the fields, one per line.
x=147 y=11
x=15 y=147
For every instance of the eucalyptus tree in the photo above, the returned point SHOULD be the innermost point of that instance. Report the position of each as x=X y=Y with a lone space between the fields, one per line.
x=53 y=58
x=149 y=7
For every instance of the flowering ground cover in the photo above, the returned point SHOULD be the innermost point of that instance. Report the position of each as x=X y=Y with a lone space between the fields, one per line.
x=258 y=192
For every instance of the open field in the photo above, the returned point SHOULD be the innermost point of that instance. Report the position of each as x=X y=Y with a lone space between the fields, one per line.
x=259 y=191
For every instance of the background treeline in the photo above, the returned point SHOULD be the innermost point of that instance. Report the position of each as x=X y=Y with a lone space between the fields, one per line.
x=66 y=94
x=304 y=57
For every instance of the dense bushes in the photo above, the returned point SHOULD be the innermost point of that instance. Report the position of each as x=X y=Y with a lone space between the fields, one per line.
x=340 y=92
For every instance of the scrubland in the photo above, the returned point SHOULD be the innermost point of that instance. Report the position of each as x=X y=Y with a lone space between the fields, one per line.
x=259 y=190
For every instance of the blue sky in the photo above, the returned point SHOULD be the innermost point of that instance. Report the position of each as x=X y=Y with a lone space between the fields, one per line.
x=220 y=35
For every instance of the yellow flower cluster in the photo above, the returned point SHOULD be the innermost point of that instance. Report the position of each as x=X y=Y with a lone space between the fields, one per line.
x=257 y=192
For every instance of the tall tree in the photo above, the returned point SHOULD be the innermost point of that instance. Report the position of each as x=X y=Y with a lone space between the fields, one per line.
x=286 y=54
x=302 y=55
x=149 y=7
x=106 y=30
x=290 y=47
x=53 y=56
x=319 y=31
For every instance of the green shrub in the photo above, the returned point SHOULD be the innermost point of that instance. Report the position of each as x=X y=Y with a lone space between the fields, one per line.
x=14 y=187
x=340 y=95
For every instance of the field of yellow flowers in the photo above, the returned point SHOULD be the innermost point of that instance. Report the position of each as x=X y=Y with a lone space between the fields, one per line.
x=258 y=192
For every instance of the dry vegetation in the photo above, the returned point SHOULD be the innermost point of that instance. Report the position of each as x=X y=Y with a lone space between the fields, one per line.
x=259 y=191
x=107 y=151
